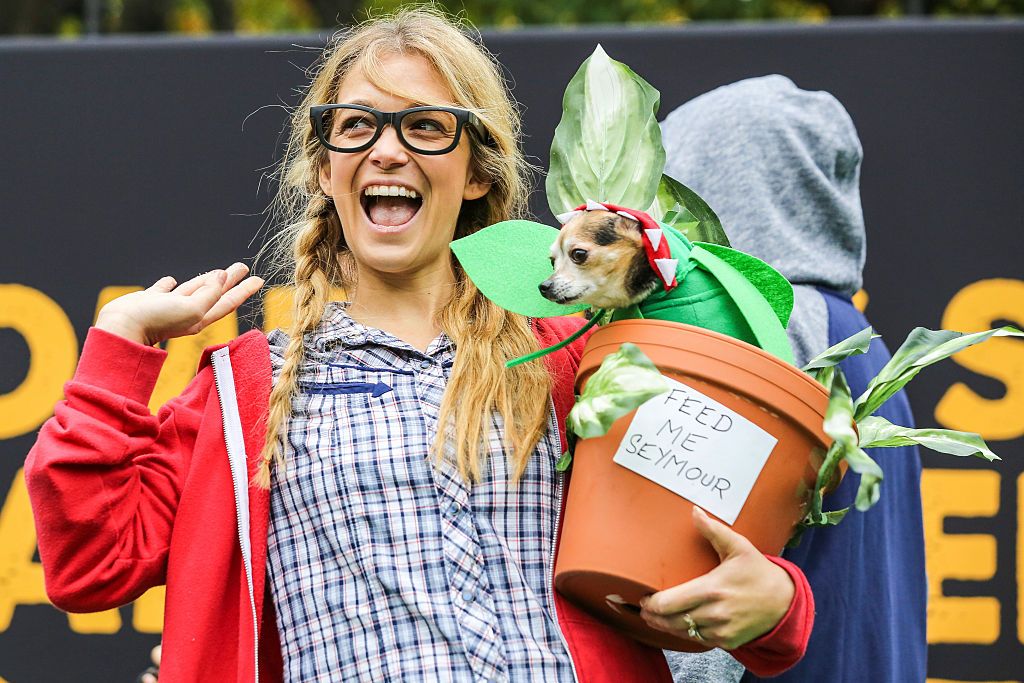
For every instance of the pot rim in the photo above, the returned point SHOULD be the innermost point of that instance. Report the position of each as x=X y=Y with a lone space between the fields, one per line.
x=804 y=382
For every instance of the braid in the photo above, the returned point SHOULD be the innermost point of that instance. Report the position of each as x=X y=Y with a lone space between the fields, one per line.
x=315 y=265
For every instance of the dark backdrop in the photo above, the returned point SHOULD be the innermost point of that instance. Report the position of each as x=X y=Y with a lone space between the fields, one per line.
x=124 y=159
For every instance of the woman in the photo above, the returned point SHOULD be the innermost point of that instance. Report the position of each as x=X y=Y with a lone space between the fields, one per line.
x=402 y=506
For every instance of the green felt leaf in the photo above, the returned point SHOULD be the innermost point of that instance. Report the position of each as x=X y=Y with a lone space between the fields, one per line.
x=684 y=210
x=851 y=346
x=770 y=282
x=625 y=380
x=921 y=348
x=607 y=146
x=507 y=262
x=877 y=432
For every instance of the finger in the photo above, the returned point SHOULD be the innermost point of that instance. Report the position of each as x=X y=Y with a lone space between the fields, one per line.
x=207 y=295
x=723 y=539
x=155 y=654
x=679 y=627
x=164 y=284
x=682 y=598
x=236 y=273
x=232 y=299
x=189 y=286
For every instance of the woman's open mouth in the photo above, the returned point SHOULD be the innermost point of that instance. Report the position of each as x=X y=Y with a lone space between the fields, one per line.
x=390 y=207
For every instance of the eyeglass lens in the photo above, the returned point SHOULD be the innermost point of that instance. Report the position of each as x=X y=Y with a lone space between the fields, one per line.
x=428 y=131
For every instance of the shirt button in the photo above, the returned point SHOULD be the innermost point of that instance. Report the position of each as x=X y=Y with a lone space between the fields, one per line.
x=468 y=595
x=425 y=365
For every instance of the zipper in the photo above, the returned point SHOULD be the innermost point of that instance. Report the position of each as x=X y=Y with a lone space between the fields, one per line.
x=234 y=442
x=554 y=544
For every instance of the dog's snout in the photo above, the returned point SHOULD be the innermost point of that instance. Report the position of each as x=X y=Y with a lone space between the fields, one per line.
x=545 y=288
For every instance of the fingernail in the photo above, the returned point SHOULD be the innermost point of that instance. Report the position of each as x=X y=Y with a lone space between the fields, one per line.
x=643 y=601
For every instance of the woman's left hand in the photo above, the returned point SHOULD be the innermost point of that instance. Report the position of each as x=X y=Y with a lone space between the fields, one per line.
x=742 y=598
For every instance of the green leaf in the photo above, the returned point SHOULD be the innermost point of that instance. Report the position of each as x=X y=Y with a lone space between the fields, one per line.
x=625 y=380
x=839 y=425
x=564 y=462
x=922 y=348
x=507 y=262
x=607 y=146
x=684 y=210
x=877 y=432
x=851 y=346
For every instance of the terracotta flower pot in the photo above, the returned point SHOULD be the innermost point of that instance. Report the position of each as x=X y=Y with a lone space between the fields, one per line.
x=625 y=536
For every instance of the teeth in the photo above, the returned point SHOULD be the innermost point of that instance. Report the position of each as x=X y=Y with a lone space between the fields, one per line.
x=390 y=191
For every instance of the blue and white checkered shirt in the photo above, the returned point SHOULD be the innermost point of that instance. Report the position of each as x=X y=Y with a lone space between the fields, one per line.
x=385 y=566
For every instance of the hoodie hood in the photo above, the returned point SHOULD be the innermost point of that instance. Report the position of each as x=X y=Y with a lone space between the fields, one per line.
x=781 y=168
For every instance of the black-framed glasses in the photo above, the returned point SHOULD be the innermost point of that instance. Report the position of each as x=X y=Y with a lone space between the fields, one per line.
x=424 y=130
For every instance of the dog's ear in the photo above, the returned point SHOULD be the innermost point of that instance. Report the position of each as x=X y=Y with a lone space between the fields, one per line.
x=606 y=229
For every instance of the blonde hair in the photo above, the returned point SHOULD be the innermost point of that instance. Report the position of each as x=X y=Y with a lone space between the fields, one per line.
x=312 y=244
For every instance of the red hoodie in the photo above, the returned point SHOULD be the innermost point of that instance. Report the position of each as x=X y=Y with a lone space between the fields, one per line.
x=124 y=500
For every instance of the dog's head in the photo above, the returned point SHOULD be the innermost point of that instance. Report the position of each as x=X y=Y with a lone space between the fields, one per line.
x=599 y=259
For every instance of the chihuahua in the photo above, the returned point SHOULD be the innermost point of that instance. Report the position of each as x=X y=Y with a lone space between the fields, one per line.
x=608 y=257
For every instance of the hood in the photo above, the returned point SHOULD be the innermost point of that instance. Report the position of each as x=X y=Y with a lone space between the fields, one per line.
x=781 y=168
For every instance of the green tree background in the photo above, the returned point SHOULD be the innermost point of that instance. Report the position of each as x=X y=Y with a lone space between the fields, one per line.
x=72 y=17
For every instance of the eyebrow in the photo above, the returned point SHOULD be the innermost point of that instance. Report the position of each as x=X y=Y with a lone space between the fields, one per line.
x=367 y=103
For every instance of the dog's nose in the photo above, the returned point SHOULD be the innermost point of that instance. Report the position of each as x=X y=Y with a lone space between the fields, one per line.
x=545 y=288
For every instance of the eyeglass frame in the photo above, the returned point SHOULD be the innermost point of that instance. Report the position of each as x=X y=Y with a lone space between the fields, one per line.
x=394 y=118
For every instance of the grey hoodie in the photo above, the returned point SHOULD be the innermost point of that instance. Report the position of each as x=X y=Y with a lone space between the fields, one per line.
x=781 y=168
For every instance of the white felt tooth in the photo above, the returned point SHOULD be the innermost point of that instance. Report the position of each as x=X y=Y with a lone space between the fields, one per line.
x=655 y=237
x=564 y=218
x=595 y=206
x=626 y=215
x=667 y=266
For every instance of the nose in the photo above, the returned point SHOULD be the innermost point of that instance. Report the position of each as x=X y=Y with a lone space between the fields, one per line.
x=545 y=288
x=388 y=151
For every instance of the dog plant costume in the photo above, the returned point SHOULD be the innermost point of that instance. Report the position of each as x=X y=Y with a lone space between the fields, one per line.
x=124 y=500
x=702 y=284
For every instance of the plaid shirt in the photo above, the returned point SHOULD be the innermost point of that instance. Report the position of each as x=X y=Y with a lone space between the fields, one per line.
x=385 y=566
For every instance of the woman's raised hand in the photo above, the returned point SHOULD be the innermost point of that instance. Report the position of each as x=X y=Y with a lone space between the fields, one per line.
x=168 y=310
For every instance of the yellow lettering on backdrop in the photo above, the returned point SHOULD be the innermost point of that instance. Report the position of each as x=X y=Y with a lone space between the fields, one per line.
x=946 y=680
x=860 y=300
x=975 y=308
x=21 y=579
x=966 y=557
x=1020 y=558
x=53 y=350
x=277 y=306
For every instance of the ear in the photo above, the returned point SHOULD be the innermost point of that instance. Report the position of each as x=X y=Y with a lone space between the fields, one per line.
x=325 y=178
x=475 y=188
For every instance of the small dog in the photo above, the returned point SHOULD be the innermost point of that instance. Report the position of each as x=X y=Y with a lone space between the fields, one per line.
x=600 y=259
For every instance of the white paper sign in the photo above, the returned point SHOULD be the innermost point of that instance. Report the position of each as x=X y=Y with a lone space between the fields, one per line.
x=697 y=448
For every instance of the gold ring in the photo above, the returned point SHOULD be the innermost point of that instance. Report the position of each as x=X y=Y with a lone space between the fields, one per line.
x=692 y=629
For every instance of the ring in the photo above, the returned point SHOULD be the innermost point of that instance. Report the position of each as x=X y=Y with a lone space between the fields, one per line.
x=692 y=629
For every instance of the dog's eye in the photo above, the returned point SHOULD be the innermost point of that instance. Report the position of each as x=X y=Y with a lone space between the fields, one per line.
x=578 y=256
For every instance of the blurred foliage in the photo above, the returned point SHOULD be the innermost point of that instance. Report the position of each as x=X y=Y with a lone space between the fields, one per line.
x=71 y=17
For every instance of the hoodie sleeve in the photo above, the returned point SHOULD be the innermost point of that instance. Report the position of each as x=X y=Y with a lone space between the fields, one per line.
x=784 y=645
x=105 y=475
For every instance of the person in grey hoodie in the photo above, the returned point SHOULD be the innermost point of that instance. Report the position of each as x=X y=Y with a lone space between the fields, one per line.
x=781 y=168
